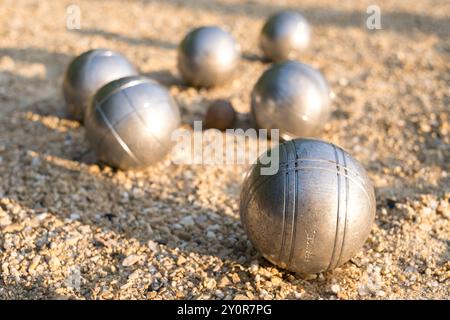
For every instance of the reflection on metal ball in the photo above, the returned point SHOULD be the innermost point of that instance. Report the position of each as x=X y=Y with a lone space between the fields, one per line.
x=208 y=56
x=130 y=121
x=292 y=97
x=284 y=35
x=89 y=72
x=315 y=213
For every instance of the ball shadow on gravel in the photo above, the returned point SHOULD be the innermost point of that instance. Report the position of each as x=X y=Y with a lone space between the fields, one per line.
x=399 y=21
x=172 y=220
x=101 y=200
x=162 y=44
x=44 y=96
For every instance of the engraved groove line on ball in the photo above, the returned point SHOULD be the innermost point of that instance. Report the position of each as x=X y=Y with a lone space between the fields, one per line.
x=100 y=140
x=338 y=181
x=140 y=118
x=117 y=137
x=294 y=210
x=354 y=173
x=333 y=171
x=283 y=226
x=288 y=233
x=346 y=208
x=125 y=85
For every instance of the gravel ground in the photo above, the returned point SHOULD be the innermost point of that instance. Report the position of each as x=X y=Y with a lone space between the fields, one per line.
x=70 y=228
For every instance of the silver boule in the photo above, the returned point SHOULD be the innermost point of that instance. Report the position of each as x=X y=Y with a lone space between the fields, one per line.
x=208 y=56
x=87 y=73
x=292 y=97
x=130 y=121
x=315 y=213
x=284 y=35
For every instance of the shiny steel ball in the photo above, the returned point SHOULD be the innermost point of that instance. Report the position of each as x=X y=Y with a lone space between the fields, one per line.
x=207 y=57
x=284 y=35
x=292 y=97
x=87 y=73
x=220 y=115
x=315 y=213
x=130 y=121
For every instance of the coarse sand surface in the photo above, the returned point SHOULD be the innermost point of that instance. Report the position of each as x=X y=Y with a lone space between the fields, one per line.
x=73 y=228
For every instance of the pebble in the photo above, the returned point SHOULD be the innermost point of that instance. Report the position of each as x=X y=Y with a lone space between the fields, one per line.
x=74 y=216
x=70 y=241
x=187 y=221
x=235 y=278
x=5 y=221
x=54 y=263
x=135 y=275
x=14 y=227
x=210 y=234
x=131 y=260
x=310 y=276
x=210 y=283
x=35 y=161
x=380 y=293
x=42 y=216
x=343 y=81
x=181 y=260
x=335 y=288
x=276 y=281
x=363 y=290
x=219 y=294
x=153 y=246
x=34 y=263
x=224 y=281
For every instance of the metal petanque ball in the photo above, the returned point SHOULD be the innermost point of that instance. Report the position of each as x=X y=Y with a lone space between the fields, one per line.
x=87 y=73
x=208 y=56
x=292 y=97
x=315 y=213
x=130 y=121
x=284 y=35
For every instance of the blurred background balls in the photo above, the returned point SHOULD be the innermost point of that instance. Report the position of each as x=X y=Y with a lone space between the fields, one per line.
x=87 y=73
x=207 y=57
x=130 y=121
x=220 y=115
x=315 y=213
x=292 y=97
x=284 y=35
